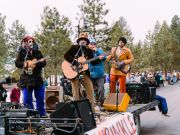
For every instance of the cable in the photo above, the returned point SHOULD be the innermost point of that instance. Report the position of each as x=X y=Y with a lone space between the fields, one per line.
x=69 y=132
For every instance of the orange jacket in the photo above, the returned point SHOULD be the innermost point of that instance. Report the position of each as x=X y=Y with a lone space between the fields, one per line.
x=123 y=54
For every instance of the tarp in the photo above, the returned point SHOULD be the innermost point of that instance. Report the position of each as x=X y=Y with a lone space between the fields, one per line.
x=117 y=124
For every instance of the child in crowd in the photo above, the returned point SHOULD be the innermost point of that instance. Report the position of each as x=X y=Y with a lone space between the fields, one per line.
x=15 y=94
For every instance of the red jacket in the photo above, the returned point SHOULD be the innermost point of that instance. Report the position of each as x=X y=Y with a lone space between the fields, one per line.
x=15 y=95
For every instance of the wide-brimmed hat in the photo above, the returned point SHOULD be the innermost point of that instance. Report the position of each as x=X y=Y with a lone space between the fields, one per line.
x=83 y=36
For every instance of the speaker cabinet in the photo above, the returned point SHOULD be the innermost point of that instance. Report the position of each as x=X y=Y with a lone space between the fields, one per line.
x=53 y=96
x=76 y=109
x=140 y=92
x=110 y=102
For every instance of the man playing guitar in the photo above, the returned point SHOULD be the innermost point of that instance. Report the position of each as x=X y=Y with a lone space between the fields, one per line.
x=31 y=78
x=71 y=56
x=121 y=56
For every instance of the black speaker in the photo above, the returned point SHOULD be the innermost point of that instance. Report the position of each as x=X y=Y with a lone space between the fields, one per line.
x=140 y=92
x=76 y=109
x=144 y=93
x=152 y=92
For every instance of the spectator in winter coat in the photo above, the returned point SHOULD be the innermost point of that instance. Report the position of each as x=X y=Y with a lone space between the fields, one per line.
x=151 y=80
x=3 y=93
x=15 y=94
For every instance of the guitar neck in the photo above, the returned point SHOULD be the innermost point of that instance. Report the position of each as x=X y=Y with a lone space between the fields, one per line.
x=45 y=58
x=37 y=61
x=95 y=58
x=90 y=60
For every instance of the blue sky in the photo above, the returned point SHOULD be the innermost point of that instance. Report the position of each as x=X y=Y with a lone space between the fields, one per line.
x=141 y=15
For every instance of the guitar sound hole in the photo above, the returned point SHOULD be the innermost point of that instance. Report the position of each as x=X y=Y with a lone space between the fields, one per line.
x=73 y=68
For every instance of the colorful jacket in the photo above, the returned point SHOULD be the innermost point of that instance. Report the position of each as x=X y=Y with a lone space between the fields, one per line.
x=34 y=80
x=15 y=95
x=97 y=69
x=123 y=54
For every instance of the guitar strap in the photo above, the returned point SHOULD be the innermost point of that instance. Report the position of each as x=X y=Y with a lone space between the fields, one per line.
x=115 y=56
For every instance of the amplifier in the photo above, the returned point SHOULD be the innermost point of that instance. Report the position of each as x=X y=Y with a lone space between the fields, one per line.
x=21 y=113
x=18 y=120
x=110 y=102
x=140 y=92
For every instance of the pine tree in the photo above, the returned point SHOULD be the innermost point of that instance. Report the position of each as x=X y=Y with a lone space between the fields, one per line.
x=175 y=28
x=120 y=28
x=3 y=47
x=93 y=13
x=15 y=35
x=137 y=53
x=54 y=38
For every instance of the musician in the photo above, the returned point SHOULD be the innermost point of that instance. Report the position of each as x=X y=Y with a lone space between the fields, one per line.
x=83 y=78
x=121 y=55
x=97 y=71
x=31 y=79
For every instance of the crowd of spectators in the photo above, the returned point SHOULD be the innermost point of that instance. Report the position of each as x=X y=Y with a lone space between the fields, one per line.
x=160 y=77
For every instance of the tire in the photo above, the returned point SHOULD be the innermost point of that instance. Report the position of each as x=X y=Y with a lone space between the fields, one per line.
x=137 y=123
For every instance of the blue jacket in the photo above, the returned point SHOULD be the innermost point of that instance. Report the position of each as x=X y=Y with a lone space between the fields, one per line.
x=96 y=68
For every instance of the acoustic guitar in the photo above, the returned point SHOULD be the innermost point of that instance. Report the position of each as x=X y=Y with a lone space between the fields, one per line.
x=124 y=69
x=31 y=64
x=71 y=71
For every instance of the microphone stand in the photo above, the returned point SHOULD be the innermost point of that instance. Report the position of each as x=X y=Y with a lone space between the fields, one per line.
x=117 y=98
x=117 y=91
x=25 y=59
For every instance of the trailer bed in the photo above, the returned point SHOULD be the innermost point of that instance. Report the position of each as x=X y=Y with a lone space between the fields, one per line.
x=137 y=109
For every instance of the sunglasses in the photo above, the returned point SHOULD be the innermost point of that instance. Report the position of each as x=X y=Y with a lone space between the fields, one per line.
x=82 y=42
x=30 y=41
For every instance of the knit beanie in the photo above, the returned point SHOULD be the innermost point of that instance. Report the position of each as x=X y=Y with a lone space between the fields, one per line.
x=123 y=39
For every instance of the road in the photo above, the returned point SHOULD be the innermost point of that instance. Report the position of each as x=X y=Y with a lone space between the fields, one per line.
x=154 y=123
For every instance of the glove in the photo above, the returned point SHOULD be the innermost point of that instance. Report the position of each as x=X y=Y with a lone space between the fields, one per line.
x=120 y=65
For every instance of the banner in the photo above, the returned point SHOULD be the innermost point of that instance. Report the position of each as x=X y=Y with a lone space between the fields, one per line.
x=118 y=124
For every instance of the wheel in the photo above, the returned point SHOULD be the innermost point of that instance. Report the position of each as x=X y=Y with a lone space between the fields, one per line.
x=137 y=123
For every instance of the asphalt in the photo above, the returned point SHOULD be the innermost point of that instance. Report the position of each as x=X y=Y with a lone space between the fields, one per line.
x=154 y=123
